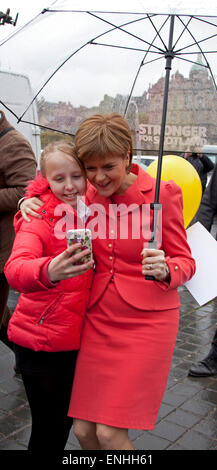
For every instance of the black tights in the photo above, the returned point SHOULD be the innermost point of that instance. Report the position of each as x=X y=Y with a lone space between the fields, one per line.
x=49 y=398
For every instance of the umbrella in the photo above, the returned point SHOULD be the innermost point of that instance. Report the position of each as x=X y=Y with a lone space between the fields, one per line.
x=94 y=58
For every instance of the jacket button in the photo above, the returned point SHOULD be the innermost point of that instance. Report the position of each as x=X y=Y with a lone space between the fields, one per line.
x=110 y=245
x=110 y=258
x=111 y=271
x=51 y=220
x=43 y=212
x=176 y=268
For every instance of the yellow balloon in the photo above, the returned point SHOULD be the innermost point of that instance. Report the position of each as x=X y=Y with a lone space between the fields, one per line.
x=184 y=174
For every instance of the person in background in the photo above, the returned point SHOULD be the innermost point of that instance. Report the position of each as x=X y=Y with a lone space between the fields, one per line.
x=206 y=213
x=17 y=168
x=201 y=162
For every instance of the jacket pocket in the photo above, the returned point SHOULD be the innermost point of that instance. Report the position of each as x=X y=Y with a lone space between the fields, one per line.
x=49 y=309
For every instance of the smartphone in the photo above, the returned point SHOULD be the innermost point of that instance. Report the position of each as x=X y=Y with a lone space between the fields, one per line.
x=82 y=236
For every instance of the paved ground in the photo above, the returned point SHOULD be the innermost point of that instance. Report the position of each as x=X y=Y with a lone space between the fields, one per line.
x=188 y=414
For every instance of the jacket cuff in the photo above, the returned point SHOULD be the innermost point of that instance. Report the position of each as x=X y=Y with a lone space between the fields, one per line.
x=44 y=278
x=20 y=202
x=177 y=274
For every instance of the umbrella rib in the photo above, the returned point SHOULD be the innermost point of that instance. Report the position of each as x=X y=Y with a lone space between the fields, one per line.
x=61 y=65
x=55 y=71
x=24 y=26
x=18 y=30
x=71 y=55
x=197 y=43
x=135 y=80
x=141 y=65
x=192 y=61
x=158 y=35
x=153 y=60
x=185 y=28
x=125 y=47
x=11 y=111
x=204 y=21
x=124 y=31
x=191 y=53
x=46 y=127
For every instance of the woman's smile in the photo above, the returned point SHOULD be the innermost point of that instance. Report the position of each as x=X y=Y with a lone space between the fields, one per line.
x=108 y=174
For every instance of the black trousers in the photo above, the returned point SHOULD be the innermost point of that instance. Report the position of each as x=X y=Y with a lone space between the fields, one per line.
x=49 y=396
x=4 y=291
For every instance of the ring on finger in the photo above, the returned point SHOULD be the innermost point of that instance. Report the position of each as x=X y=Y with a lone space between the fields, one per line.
x=150 y=265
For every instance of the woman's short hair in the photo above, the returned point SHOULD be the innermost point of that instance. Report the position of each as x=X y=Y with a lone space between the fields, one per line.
x=100 y=135
x=62 y=146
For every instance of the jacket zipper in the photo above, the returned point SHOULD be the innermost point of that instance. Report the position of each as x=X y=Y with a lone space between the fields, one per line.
x=41 y=320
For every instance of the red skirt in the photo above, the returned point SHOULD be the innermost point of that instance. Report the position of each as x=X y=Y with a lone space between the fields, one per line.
x=123 y=364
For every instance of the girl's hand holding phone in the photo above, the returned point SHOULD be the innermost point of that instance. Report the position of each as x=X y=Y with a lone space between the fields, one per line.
x=63 y=267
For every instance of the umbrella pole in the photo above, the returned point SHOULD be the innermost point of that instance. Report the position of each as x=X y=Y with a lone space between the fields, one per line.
x=155 y=206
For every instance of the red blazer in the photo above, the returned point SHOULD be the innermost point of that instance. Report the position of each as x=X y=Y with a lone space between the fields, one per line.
x=119 y=257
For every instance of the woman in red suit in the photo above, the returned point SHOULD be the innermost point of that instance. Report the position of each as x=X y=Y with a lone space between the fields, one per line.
x=131 y=323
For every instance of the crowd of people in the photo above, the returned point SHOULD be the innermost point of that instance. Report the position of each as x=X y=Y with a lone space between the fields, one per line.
x=87 y=334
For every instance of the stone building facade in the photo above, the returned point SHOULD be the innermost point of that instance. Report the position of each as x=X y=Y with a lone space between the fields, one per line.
x=191 y=112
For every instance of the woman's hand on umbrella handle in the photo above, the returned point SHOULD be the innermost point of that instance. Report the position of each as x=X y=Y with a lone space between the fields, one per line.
x=30 y=206
x=63 y=265
x=154 y=264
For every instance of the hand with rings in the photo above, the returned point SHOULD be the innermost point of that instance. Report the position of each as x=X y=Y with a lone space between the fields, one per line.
x=154 y=264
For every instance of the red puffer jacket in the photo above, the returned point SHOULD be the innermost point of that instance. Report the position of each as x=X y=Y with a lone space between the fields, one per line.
x=48 y=316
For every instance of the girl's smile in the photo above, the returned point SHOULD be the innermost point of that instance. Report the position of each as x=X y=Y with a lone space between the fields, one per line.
x=65 y=177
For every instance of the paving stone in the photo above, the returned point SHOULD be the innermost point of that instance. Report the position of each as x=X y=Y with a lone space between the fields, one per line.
x=10 y=402
x=213 y=386
x=10 y=444
x=193 y=440
x=168 y=430
x=208 y=395
x=22 y=436
x=197 y=407
x=165 y=410
x=208 y=427
x=174 y=399
x=10 y=384
x=9 y=424
x=150 y=442
x=183 y=418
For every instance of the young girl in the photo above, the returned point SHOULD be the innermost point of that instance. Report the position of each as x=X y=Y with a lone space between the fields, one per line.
x=46 y=324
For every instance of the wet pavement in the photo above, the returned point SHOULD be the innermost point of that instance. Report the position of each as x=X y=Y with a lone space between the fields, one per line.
x=188 y=414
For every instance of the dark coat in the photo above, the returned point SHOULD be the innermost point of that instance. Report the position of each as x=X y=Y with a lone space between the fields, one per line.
x=208 y=206
x=208 y=166
x=17 y=167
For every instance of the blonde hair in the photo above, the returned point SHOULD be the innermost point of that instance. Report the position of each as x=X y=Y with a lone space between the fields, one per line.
x=100 y=135
x=63 y=146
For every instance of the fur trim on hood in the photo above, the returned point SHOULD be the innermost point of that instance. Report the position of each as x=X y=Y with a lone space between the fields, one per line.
x=37 y=186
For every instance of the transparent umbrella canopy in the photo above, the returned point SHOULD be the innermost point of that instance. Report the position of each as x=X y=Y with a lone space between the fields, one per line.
x=153 y=63
x=115 y=56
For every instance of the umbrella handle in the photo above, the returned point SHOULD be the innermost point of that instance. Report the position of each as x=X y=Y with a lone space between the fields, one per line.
x=153 y=242
x=150 y=278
